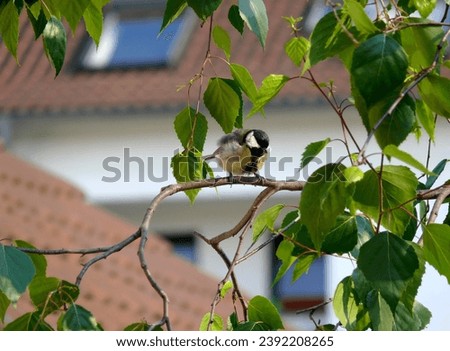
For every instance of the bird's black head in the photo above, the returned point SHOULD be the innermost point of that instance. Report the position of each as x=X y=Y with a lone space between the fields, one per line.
x=257 y=139
x=261 y=137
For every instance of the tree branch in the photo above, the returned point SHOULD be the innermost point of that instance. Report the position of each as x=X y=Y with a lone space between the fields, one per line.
x=440 y=194
x=170 y=190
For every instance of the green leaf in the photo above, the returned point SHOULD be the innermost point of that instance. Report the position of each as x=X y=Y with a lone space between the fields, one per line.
x=39 y=261
x=40 y=289
x=266 y=220
x=55 y=43
x=28 y=322
x=216 y=325
x=343 y=237
x=420 y=42
x=4 y=304
x=425 y=7
x=251 y=326
x=447 y=217
x=188 y=166
x=388 y=262
x=78 y=318
x=37 y=23
x=353 y=174
x=235 y=18
x=297 y=48
x=225 y=288
x=284 y=254
x=324 y=198
x=73 y=11
x=139 y=326
x=407 y=6
x=174 y=8
x=270 y=87
x=359 y=17
x=93 y=19
x=312 y=150
x=51 y=8
x=379 y=311
x=291 y=223
x=239 y=122
x=49 y=294
x=191 y=129
x=254 y=14
x=394 y=151
x=398 y=188
x=436 y=247
x=9 y=26
x=261 y=309
x=436 y=173
x=352 y=315
x=204 y=8
x=409 y=296
x=232 y=321
x=303 y=264
x=33 y=6
x=245 y=81
x=434 y=91
x=426 y=118
x=16 y=272
x=365 y=233
x=361 y=286
x=405 y=320
x=222 y=103
x=328 y=38
x=396 y=127
x=379 y=68
x=222 y=40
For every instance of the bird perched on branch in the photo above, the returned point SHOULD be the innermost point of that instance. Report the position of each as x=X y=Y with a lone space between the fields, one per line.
x=242 y=151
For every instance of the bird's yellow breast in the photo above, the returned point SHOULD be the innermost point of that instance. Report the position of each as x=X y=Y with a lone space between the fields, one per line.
x=238 y=165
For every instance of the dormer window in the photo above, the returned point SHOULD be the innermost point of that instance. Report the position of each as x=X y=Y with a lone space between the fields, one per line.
x=131 y=38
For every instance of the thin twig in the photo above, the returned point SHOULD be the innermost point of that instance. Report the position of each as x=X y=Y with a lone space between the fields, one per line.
x=265 y=194
x=112 y=249
x=244 y=225
x=337 y=109
x=315 y=307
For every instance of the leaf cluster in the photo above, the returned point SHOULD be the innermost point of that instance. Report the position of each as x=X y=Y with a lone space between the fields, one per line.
x=262 y=316
x=46 y=16
x=21 y=272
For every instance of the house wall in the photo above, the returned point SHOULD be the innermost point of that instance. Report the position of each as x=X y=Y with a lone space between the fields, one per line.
x=76 y=147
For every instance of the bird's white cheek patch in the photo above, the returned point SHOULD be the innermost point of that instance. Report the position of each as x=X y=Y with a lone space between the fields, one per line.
x=251 y=141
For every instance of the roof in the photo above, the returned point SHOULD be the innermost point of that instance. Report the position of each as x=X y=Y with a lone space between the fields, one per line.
x=51 y=214
x=31 y=87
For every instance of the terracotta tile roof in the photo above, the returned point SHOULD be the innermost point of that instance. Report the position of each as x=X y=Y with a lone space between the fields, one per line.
x=31 y=88
x=49 y=213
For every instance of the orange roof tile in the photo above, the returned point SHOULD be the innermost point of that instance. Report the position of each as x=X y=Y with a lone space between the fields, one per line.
x=49 y=213
x=31 y=88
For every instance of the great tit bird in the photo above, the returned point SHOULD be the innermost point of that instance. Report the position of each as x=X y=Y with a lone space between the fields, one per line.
x=242 y=151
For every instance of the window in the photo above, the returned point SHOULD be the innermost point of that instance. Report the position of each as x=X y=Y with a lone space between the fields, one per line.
x=183 y=245
x=305 y=292
x=131 y=37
